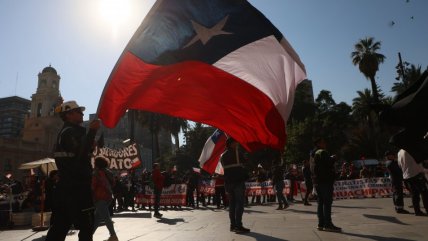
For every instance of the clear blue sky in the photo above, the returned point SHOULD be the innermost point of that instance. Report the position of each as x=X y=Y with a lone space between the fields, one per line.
x=82 y=40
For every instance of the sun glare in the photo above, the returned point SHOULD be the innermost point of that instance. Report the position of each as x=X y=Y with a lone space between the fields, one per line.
x=114 y=12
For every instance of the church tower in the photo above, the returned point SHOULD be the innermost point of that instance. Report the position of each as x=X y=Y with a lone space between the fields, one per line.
x=42 y=125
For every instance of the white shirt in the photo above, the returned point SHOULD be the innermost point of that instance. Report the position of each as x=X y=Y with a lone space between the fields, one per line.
x=408 y=165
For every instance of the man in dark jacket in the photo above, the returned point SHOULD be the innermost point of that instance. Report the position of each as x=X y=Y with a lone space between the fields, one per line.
x=396 y=175
x=235 y=176
x=73 y=195
x=323 y=177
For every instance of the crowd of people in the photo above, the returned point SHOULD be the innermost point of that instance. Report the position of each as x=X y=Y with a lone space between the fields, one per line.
x=83 y=197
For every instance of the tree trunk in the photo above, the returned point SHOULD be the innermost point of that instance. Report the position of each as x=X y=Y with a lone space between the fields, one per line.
x=374 y=90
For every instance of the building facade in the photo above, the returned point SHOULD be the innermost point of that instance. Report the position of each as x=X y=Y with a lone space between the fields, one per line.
x=42 y=125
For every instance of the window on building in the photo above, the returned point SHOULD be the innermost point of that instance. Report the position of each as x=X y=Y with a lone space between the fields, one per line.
x=39 y=110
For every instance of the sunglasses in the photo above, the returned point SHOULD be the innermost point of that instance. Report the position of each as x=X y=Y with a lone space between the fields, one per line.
x=77 y=111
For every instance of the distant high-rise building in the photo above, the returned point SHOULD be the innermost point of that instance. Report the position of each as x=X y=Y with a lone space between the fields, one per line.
x=13 y=111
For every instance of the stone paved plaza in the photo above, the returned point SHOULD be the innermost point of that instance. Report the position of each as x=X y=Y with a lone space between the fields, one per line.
x=361 y=219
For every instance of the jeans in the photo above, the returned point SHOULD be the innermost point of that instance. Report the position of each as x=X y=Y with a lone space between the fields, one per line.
x=236 y=192
x=279 y=187
x=397 y=195
x=418 y=188
x=325 y=200
x=102 y=213
x=157 y=193
x=72 y=206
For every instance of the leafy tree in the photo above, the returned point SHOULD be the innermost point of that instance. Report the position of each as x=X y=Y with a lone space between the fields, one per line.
x=368 y=59
x=411 y=74
x=195 y=140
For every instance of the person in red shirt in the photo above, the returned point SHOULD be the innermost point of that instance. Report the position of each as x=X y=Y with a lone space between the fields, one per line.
x=102 y=182
x=158 y=180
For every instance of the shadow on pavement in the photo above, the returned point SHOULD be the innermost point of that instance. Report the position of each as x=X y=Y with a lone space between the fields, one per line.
x=385 y=218
x=377 y=238
x=302 y=211
x=355 y=207
x=171 y=221
x=252 y=211
x=132 y=215
x=262 y=237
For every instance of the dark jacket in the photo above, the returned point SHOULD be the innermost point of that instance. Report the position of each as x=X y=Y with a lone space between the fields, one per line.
x=395 y=173
x=322 y=168
x=73 y=155
x=234 y=170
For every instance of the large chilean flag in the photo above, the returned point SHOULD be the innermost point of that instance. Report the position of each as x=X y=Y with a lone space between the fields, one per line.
x=218 y=62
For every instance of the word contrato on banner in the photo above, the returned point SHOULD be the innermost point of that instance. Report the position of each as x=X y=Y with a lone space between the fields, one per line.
x=124 y=158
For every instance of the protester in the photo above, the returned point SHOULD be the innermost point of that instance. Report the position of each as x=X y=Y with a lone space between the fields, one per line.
x=102 y=182
x=364 y=172
x=50 y=187
x=278 y=183
x=235 y=176
x=220 y=191
x=396 y=175
x=413 y=175
x=73 y=195
x=323 y=177
x=158 y=180
x=306 y=170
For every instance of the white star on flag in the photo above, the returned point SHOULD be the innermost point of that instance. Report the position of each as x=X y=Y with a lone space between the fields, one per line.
x=205 y=34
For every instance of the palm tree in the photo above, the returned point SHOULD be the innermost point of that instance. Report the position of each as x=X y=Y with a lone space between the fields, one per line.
x=368 y=60
x=361 y=105
x=175 y=125
x=155 y=122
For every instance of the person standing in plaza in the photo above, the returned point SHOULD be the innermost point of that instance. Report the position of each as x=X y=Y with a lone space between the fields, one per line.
x=278 y=184
x=73 y=194
x=413 y=175
x=323 y=178
x=158 y=181
x=396 y=175
x=306 y=170
x=235 y=176
x=102 y=187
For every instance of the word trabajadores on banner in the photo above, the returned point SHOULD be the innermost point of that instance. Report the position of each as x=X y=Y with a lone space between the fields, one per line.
x=124 y=158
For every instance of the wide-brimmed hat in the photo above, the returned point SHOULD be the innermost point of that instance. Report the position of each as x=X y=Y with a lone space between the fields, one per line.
x=70 y=105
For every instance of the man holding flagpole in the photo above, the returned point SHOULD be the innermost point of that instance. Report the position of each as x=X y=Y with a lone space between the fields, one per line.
x=235 y=176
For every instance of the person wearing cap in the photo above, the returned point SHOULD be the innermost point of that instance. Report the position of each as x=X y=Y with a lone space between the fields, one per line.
x=323 y=178
x=396 y=175
x=73 y=195
x=235 y=176
x=102 y=187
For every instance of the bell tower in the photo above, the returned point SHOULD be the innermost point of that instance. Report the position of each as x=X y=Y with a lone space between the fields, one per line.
x=42 y=125
x=44 y=100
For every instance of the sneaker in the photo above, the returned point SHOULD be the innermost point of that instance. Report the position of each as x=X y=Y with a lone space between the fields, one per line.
x=113 y=238
x=157 y=215
x=232 y=228
x=241 y=230
x=279 y=208
x=320 y=228
x=285 y=206
x=332 y=228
